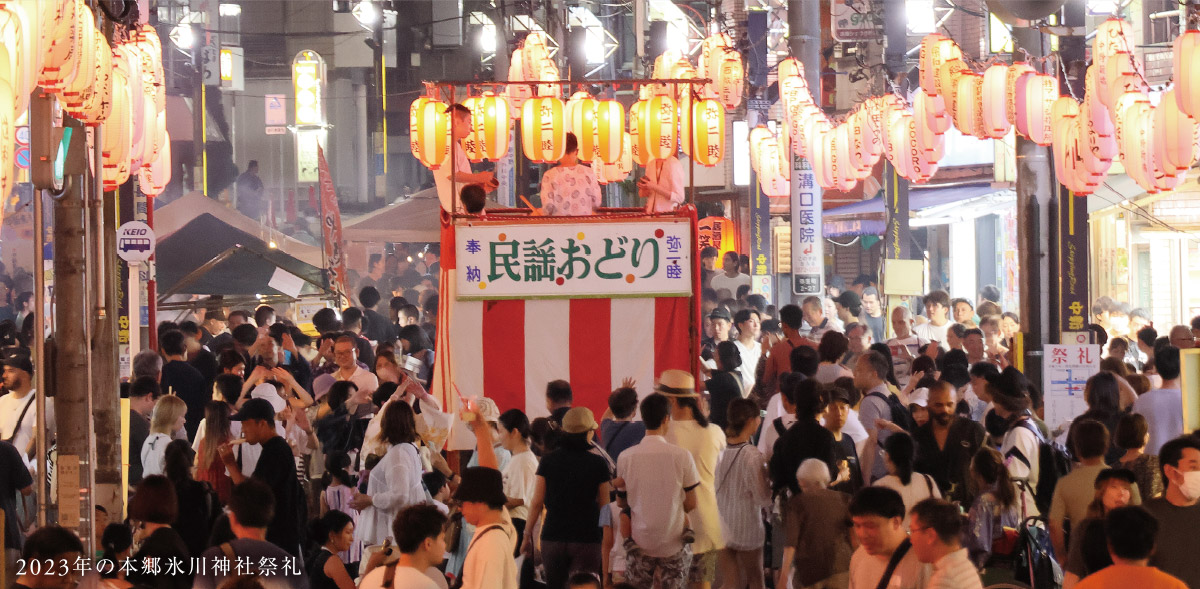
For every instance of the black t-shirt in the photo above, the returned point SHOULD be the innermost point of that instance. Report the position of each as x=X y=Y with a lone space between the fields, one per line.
x=723 y=387
x=205 y=362
x=844 y=449
x=189 y=385
x=805 y=439
x=1175 y=548
x=167 y=546
x=950 y=466
x=573 y=477
x=13 y=477
x=139 y=430
x=277 y=468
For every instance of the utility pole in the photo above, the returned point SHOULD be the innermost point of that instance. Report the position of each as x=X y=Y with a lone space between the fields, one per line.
x=106 y=397
x=808 y=260
x=897 y=243
x=1035 y=201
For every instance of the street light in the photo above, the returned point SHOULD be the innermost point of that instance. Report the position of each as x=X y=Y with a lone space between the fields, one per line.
x=920 y=17
x=184 y=36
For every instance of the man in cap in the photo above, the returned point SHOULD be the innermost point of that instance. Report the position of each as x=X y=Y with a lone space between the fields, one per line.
x=276 y=467
x=18 y=408
x=721 y=321
x=656 y=487
x=489 y=562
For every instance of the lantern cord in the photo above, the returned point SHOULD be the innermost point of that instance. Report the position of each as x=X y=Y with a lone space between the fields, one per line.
x=1062 y=69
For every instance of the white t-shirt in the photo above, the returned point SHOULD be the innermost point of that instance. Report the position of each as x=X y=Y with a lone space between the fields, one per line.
x=1027 y=443
x=520 y=480
x=750 y=357
x=902 y=363
x=153 y=450
x=721 y=281
x=930 y=332
x=656 y=474
x=448 y=192
x=919 y=487
x=866 y=570
x=10 y=409
x=406 y=578
x=570 y=190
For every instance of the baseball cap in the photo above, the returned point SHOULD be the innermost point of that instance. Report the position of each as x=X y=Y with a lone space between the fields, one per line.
x=720 y=313
x=255 y=409
x=20 y=362
x=1108 y=474
x=840 y=394
x=579 y=420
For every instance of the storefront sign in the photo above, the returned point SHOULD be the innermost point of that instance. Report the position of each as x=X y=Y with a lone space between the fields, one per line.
x=1072 y=262
x=897 y=240
x=650 y=258
x=1065 y=372
x=857 y=20
x=808 y=261
x=760 y=216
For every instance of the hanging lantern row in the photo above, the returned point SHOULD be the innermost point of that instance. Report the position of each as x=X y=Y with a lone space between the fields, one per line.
x=54 y=44
x=1155 y=144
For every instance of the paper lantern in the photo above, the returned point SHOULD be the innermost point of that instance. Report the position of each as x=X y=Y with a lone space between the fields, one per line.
x=489 y=126
x=533 y=54
x=115 y=140
x=640 y=155
x=966 y=97
x=714 y=50
x=1097 y=128
x=517 y=93
x=812 y=126
x=543 y=129
x=1175 y=135
x=995 y=119
x=945 y=85
x=657 y=127
x=130 y=56
x=1016 y=73
x=935 y=50
x=1033 y=113
x=429 y=131
x=1123 y=72
x=154 y=177
x=1112 y=36
x=62 y=46
x=893 y=136
x=764 y=157
x=898 y=144
x=610 y=130
x=19 y=44
x=708 y=132
x=822 y=162
x=1133 y=112
x=730 y=80
x=581 y=120
x=1186 y=72
x=549 y=72
x=619 y=168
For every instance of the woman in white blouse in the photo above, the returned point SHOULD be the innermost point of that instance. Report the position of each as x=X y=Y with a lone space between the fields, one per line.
x=394 y=483
x=167 y=418
x=899 y=453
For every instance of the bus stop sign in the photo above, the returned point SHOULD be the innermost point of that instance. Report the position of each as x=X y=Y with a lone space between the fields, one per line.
x=135 y=242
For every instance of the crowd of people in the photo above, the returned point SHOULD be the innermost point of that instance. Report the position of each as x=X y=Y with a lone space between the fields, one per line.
x=815 y=450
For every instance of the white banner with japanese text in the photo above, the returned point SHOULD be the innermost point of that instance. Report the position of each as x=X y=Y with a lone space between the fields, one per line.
x=1065 y=372
x=574 y=259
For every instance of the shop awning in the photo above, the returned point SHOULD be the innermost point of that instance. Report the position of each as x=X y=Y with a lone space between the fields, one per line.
x=918 y=198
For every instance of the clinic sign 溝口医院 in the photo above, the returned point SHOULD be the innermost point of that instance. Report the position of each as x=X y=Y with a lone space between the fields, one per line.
x=574 y=260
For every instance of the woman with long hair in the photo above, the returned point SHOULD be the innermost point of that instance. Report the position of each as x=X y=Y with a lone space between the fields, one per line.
x=198 y=504
x=725 y=383
x=116 y=544
x=1102 y=393
x=899 y=454
x=395 y=482
x=334 y=531
x=414 y=342
x=1088 y=549
x=994 y=516
x=167 y=418
x=1132 y=435
x=217 y=430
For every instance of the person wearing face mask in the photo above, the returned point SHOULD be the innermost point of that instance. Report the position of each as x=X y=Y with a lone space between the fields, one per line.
x=1177 y=511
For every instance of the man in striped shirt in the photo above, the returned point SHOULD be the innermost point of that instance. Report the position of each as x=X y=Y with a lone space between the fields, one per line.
x=934 y=530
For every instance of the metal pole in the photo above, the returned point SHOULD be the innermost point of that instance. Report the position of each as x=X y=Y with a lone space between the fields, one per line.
x=1035 y=199
x=39 y=345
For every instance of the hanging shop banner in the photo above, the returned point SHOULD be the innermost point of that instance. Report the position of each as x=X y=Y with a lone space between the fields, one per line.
x=651 y=258
x=857 y=20
x=760 y=215
x=808 y=271
x=1072 y=263
x=331 y=218
x=895 y=195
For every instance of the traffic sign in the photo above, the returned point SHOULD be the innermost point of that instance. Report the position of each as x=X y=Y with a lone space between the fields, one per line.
x=22 y=135
x=276 y=130
x=135 y=241
x=22 y=157
x=276 y=110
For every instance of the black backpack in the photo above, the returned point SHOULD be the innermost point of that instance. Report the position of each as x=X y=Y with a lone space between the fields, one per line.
x=1054 y=462
x=1033 y=562
x=900 y=414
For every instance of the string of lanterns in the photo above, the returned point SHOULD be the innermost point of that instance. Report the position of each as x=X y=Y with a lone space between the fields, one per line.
x=1156 y=144
x=668 y=116
x=54 y=44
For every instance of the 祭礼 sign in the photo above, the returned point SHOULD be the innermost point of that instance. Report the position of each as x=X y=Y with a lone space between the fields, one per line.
x=572 y=259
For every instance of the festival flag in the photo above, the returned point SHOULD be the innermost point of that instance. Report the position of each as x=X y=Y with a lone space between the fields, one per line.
x=331 y=220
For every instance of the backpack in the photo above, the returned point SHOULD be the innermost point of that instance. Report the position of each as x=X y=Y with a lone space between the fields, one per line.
x=900 y=413
x=1033 y=562
x=1054 y=462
